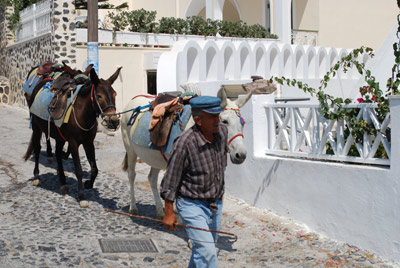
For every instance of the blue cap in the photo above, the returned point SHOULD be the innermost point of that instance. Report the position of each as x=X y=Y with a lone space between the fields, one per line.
x=207 y=104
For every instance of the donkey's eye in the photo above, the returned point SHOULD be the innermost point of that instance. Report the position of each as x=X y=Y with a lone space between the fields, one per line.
x=98 y=96
x=225 y=122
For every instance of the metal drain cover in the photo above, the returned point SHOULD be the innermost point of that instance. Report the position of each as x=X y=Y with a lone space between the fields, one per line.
x=127 y=245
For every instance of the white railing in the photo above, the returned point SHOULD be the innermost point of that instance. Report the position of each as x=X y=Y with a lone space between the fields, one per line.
x=298 y=130
x=35 y=21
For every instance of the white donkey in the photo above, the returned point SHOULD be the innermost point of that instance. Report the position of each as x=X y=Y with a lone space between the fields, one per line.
x=230 y=117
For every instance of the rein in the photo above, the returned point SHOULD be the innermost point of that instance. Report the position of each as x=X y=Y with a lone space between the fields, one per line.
x=235 y=238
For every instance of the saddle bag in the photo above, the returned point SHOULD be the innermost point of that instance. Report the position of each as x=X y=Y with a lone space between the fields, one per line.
x=160 y=132
x=62 y=87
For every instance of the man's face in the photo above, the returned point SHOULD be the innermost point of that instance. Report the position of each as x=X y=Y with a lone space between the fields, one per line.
x=208 y=122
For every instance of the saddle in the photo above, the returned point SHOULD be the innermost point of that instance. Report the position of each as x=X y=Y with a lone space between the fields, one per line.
x=62 y=87
x=165 y=110
x=259 y=86
x=45 y=68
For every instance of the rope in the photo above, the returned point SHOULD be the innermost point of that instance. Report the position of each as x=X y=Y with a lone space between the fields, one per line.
x=235 y=238
x=84 y=129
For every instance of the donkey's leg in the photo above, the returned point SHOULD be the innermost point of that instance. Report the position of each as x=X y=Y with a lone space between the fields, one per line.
x=60 y=167
x=131 y=161
x=91 y=157
x=74 y=147
x=49 y=153
x=153 y=179
x=36 y=136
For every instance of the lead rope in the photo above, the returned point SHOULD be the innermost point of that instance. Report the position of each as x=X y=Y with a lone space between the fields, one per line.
x=84 y=129
x=235 y=238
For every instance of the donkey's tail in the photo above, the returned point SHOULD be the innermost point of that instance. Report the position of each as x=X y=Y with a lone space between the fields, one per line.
x=125 y=163
x=29 y=151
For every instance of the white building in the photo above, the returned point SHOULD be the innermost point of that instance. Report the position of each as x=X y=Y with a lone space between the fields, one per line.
x=357 y=204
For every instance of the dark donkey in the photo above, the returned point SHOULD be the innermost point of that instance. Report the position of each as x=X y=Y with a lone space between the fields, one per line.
x=45 y=72
x=96 y=97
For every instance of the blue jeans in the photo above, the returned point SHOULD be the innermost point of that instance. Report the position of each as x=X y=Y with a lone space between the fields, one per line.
x=198 y=214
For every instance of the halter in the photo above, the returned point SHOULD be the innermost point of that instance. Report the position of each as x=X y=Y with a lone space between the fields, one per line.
x=242 y=122
x=94 y=100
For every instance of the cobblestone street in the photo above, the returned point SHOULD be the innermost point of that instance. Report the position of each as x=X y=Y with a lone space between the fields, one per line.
x=41 y=226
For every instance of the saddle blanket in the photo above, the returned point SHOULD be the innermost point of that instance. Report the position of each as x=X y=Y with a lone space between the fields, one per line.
x=33 y=79
x=141 y=135
x=40 y=106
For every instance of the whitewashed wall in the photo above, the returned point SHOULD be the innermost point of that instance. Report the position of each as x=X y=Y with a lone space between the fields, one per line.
x=351 y=203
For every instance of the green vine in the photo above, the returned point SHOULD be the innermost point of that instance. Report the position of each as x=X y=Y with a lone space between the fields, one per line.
x=335 y=108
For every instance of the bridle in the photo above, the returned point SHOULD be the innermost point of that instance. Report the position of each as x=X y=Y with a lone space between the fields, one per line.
x=93 y=99
x=242 y=122
x=95 y=102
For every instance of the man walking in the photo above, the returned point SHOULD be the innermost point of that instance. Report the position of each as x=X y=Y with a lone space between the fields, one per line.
x=195 y=179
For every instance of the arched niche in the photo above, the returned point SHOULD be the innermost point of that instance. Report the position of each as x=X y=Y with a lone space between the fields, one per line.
x=211 y=64
x=260 y=61
x=322 y=62
x=287 y=63
x=244 y=63
x=299 y=55
x=274 y=61
x=192 y=64
x=342 y=54
x=333 y=57
x=311 y=63
x=229 y=64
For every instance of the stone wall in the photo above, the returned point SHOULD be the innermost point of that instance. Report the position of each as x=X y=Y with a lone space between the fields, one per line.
x=64 y=37
x=16 y=60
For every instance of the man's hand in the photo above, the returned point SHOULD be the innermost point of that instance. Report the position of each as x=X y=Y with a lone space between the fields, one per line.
x=170 y=217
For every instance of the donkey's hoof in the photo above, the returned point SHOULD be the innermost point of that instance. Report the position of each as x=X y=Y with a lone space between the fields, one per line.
x=64 y=188
x=189 y=244
x=84 y=204
x=50 y=159
x=134 y=211
x=35 y=182
x=88 y=185
x=160 y=216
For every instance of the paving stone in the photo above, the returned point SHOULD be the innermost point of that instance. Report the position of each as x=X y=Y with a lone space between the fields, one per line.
x=42 y=227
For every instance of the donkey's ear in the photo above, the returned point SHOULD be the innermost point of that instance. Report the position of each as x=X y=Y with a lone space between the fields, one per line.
x=69 y=70
x=222 y=95
x=94 y=77
x=242 y=100
x=114 y=76
x=87 y=71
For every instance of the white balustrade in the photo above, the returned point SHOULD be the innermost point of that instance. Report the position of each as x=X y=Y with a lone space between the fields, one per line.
x=299 y=130
x=229 y=61
x=35 y=21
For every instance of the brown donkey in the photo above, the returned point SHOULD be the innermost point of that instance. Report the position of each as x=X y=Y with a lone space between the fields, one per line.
x=96 y=97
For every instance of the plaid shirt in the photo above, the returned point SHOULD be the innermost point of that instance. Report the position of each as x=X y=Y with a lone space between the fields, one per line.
x=196 y=167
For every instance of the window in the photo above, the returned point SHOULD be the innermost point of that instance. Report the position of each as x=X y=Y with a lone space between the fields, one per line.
x=152 y=82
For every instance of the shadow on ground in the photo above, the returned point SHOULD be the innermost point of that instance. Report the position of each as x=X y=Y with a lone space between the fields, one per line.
x=224 y=241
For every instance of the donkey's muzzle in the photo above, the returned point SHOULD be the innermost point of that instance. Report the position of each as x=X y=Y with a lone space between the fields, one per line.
x=111 y=122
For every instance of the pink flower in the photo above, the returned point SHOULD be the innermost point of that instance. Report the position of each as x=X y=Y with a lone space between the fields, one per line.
x=360 y=100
